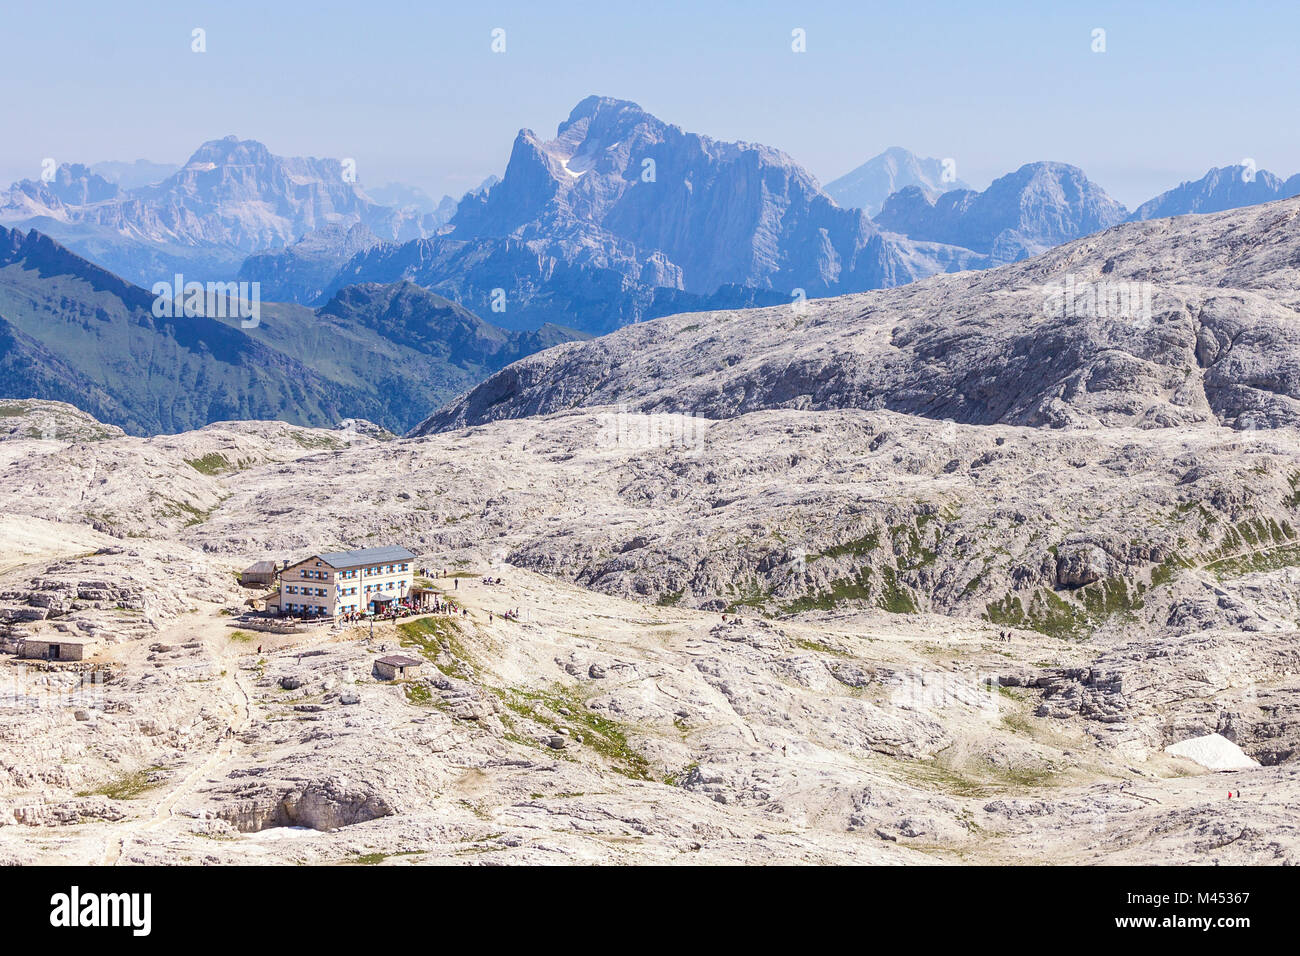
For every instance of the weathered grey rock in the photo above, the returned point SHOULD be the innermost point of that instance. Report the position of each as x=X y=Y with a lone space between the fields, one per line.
x=1001 y=346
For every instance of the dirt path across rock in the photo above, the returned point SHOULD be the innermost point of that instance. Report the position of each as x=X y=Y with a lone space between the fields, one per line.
x=231 y=688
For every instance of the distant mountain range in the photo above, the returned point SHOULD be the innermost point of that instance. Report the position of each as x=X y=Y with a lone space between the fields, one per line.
x=619 y=218
x=233 y=197
x=133 y=175
x=1218 y=344
x=72 y=331
x=1222 y=188
x=868 y=186
x=1020 y=215
x=621 y=212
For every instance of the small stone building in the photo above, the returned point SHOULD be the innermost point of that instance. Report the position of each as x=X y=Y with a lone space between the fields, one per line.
x=57 y=649
x=260 y=574
x=397 y=666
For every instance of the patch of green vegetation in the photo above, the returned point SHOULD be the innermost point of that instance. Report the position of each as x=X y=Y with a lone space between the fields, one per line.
x=606 y=737
x=183 y=509
x=755 y=597
x=909 y=546
x=1293 y=500
x=976 y=780
x=821 y=648
x=427 y=634
x=670 y=598
x=857 y=588
x=1109 y=597
x=673 y=779
x=933 y=776
x=1046 y=613
x=316 y=441
x=895 y=597
x=855 y=548
x=211 y=464
x=1249 y=534
x=1270 y=559
x=1069 y=618
x=241 y=637
x=128 y=787
x=1168 y=569
x=419 y=694
x=1017 y=724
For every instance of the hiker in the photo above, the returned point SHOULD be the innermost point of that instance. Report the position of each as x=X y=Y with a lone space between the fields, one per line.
x=259 y=648
x=455 y=584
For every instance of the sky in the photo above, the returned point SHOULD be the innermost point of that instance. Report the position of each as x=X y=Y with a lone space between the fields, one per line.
x=414 y=92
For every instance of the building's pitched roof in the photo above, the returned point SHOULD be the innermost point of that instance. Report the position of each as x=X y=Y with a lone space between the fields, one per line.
x=397 y=660
x=351 y=559
x=260 y=567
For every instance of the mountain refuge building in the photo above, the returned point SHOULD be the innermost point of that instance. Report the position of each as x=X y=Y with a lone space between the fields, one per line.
x=344 y=582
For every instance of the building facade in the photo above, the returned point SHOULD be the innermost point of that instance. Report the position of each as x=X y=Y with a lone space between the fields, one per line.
x=397 y=667
x=59 y=649
x=345 y=582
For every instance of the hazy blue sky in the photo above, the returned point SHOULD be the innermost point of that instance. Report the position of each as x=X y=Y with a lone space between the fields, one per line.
x=414 y=93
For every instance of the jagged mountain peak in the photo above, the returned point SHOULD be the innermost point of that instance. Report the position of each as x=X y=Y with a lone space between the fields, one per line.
x=1223 y=187
x=1021 y=214
x=619 y=187
x=869 y=185
x=604 y=112
x=232 y=197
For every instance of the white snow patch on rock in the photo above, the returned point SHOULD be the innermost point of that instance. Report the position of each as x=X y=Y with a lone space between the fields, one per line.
x=1214 y=752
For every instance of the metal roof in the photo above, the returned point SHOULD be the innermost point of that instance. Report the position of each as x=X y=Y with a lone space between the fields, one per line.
x=399 y=661
x=352 y=559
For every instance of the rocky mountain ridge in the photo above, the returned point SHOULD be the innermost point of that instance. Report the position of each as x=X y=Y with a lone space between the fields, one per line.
x=1152 y=324
x=73 y=331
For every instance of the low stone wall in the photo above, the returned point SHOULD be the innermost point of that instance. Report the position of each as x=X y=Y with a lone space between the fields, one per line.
x=270 y=626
